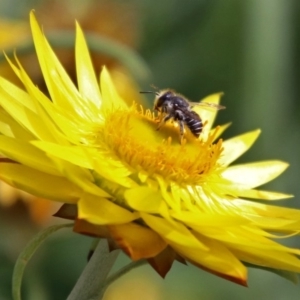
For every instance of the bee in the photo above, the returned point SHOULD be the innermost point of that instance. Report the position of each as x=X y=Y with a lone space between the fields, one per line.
x=173 y=106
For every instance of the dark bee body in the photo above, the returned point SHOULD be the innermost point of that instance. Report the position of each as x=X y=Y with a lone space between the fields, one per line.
x=193 y=122
x=174 y=106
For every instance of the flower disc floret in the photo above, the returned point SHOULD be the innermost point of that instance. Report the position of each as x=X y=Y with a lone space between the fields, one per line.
x=133 y=137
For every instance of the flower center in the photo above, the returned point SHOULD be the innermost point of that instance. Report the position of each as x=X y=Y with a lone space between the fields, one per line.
x=134 y=138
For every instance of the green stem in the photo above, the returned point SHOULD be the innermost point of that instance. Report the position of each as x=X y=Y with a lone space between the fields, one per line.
x=120 y=273
x=27 y=253
x=90 y=283
x=98 y=44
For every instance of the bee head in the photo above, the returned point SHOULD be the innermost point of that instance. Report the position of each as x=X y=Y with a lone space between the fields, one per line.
x=162 y=97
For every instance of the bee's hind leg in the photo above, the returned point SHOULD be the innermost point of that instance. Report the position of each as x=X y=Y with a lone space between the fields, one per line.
x=181 y=130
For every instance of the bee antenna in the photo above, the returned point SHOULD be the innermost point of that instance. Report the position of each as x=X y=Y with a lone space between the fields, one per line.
x=148 y=92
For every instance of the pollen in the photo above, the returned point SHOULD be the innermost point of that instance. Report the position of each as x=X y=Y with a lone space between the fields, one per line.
x=133 y=136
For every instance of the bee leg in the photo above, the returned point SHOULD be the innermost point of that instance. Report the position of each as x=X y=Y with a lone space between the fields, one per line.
x=181 y=130
x=164 y=120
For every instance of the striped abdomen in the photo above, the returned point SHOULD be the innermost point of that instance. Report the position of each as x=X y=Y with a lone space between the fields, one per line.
x=193 y=122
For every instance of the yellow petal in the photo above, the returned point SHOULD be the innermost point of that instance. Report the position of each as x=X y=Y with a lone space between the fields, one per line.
x=235 y=147
x=72 y=154
x=172 y=202
x=218 y=131
x=51 y=68
x=80 y=176
x=173 y=232
x=113 y=169
x=208 y=115
x=65 y=118
x=264 y=195
x=254 y=208
x=44 y=107
x=111 y=98
x=205 y=220
x=23 y=115
x=25 y=153
x=218 y=258
x=273 y=259
x=243 y=191
x=244 y=237
x=255 y=174
x=61 y=88
x=10 y=127
x=278 y=225
x=20 y=95
x=137 y=241
x=146 y=200
x=87 y=82
x=89 y=158
x=100 y=211
x=39 y=184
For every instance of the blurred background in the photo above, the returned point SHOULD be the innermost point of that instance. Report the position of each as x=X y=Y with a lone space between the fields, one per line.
x=248 y=49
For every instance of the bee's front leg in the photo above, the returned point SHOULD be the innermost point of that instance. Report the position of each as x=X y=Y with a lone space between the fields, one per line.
x=164 y=120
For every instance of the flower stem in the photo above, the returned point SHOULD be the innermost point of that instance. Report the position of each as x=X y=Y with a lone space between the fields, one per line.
x=89 y=286
x=27 y=253
x=120 y=273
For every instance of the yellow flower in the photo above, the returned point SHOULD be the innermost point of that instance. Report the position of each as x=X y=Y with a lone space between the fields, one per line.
x=14 y=34
x=140 y=188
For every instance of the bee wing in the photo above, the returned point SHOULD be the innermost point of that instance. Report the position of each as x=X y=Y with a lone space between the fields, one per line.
x=208 y=115
x=207 y=105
